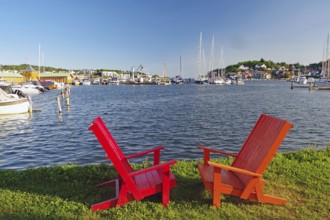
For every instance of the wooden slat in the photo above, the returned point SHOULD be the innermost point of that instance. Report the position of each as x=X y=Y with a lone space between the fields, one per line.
x=152 y=179
x=141 y=181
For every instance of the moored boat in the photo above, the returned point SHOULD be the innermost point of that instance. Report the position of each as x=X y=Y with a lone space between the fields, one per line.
x=11 y=103
x=28 y=88
x=48 y=84
x=96 y=81
x=86 y=82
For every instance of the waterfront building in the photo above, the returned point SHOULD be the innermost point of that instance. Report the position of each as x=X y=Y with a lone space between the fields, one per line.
x=30 y=74
x=60 y=77
x=11 y=77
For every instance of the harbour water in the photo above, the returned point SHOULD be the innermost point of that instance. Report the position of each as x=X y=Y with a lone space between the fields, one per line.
x=179 y=117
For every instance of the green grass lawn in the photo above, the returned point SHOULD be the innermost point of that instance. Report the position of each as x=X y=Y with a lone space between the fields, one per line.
x=66 y=192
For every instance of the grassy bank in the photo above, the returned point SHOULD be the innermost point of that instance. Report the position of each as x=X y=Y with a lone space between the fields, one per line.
x=66 y=192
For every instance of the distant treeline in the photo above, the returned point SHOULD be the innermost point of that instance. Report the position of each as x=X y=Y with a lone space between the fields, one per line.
x=272 y=65
x=231 y=68
x=22 y=67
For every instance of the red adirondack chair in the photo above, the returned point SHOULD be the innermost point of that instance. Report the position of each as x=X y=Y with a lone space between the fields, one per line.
x=131 y=184
x=243 y=177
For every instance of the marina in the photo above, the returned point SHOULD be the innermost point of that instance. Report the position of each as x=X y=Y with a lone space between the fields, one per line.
x=178 y=117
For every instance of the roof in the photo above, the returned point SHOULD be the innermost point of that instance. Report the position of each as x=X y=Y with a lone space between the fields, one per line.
x=51 y=74
x=7 y=74
x=29 y=69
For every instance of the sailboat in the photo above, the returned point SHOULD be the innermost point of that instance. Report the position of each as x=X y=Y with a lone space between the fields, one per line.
x=325 y=73
x=211 y=75
x=221 y=71
x=201 y=78
x=163 y=80
x=178 y=79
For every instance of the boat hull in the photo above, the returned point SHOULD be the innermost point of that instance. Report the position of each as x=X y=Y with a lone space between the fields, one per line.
x=15 y=107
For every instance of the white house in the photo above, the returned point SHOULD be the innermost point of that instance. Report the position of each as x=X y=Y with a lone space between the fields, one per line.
x=109 y=74
x=242 y=67
x=262 y=66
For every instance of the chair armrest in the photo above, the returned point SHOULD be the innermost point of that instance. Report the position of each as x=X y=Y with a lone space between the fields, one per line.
x=155 y=167
x=216 y=151
x=207 y=151
x=234 y=169
x=153 y=150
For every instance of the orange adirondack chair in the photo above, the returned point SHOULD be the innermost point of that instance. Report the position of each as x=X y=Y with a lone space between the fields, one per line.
x=243 y=177
x=131 y=184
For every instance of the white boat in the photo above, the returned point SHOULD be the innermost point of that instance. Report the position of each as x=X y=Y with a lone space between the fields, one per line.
x=302 y=80
x=178 y=79
x=59 y=85
x=202 y=80
x=28 y=89
x=86 y=82
x=239 y=79
x=13 y=103
x=114 y=82
x=96 y=81
x=228 y=81
x=219 y=81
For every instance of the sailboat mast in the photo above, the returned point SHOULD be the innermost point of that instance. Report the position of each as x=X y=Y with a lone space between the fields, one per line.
x=43 y=61
x=200 y=54
x=212 y=58
x=39 y=65
x=326 y=57
x=180 y=67
x=164 y=72
x=133 y=74
x=203 y=62
x=221 y=63
x=323 y=62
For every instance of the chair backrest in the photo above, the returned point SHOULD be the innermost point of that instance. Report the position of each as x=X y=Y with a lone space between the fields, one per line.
x=261 y=145
x=111 y=147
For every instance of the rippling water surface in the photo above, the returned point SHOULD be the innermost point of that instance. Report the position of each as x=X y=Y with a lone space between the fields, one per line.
x=179 y=117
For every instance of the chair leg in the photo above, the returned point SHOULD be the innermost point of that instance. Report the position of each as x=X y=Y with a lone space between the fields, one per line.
x=260 y=192
x=104 y=205
x=216 y=187
x=274 y=200
x=123 y=196
x=109 y=183
x=249 y=188
x=109 y=203
x=166 y=186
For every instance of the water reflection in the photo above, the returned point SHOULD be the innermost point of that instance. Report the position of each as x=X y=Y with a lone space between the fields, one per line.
x=13 y=123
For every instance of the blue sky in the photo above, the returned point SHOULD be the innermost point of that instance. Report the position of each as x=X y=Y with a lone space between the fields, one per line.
x=120 y=34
